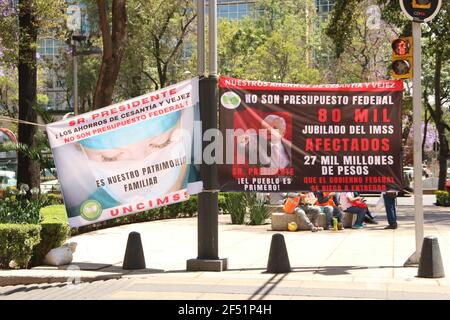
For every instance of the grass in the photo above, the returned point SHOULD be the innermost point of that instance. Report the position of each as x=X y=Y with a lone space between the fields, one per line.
x=54 y=214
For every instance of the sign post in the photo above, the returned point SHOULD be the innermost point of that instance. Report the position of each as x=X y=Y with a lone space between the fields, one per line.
x=418 y=12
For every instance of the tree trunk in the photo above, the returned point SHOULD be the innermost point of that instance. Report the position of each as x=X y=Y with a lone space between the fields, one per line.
x=28 y=171
x=440 y=122
x=113 y=48
x=443 y=156
x=425 y=131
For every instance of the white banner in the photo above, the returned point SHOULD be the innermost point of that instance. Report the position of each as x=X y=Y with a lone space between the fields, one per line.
x=128 y=157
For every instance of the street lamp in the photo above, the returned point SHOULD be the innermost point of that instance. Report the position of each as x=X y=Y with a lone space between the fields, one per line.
x=75 y=39
x=92 y=51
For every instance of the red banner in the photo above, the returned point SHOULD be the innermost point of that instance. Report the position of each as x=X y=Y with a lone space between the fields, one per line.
x=289 y=137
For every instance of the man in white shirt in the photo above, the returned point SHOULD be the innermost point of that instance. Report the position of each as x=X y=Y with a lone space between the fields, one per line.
x=279 y=155
x=270 y=150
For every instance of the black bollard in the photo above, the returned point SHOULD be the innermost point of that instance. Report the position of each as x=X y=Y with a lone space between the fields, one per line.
x=278 y=255
x=430 y=265
x=134 y=254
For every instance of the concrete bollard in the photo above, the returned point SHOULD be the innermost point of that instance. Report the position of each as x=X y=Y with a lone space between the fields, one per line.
x=430 y=265
x=278 y=256
x=134 y=254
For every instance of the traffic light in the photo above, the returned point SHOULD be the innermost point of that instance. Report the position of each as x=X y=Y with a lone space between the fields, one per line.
x=421 y=4
x=402 y=58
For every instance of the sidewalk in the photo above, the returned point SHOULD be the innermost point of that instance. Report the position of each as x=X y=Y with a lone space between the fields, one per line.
x=347 y=264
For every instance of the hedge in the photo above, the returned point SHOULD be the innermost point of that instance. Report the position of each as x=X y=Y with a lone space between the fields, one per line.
x=17 y=242
x=442 y=198
x=53 y=235
x=182 y=209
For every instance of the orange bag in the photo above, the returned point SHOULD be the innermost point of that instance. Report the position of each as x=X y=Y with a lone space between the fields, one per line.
x=330 y=201
x=290 y=204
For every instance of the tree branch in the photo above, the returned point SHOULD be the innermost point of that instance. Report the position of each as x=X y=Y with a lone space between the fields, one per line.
x=180 y=39
x=148 y=75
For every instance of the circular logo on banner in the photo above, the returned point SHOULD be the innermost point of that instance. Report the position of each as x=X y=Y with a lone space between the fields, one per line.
x=91 y=210
x=230 y=100
x=420 y=10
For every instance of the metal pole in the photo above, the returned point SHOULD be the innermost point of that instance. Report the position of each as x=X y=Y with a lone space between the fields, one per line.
x=75 y=77
x=208 y=223
x=212 y=37
x=201 y=37
x=208 y=201
x=417 y=129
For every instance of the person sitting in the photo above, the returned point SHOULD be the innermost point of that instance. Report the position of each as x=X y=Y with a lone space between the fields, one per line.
x=328 y=204
x=350 y=203
x=306 y=212
x=369 y=218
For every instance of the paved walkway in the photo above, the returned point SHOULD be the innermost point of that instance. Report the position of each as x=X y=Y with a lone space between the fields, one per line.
x=366 y=264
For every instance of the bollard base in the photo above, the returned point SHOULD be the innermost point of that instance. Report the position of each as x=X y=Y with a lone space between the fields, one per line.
x=278 y=256
x=134 y=258
x=413 y=261
x=430 y=264
x=217 y=265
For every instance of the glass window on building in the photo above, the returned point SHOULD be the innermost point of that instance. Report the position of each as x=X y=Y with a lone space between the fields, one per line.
x=233 y=9
x=324 y=6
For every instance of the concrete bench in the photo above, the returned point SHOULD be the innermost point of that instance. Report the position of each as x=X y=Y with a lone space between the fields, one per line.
x=280 y=220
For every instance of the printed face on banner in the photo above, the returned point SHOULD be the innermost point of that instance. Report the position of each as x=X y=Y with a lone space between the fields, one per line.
x=139 y=159
x=292 y=137
x=263 y=143
x=110 y=159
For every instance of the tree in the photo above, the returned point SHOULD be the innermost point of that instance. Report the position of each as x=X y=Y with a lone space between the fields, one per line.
x=436 y=50
x=360 y=39
x=158 y=34
x=275 y=45
x=436 y=75
x=18 y=43
x=114 y=41
x=28 y=170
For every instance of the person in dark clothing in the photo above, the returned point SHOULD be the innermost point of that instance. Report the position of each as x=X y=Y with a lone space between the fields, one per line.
x=368 y=218
x=329 y=199
x=391 y=212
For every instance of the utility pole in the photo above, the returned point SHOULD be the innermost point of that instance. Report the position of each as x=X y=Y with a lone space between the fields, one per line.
x=74 y=24
x=417 y=129
x=418 y=12
x=207 y=221
x=75 y=76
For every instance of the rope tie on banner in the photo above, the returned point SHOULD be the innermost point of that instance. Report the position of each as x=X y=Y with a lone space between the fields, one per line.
x=3 y=118
x=211 y=190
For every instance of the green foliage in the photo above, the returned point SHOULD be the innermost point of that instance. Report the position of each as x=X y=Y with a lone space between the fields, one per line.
x=235 y=205
x=442 y=198
x=156 y=36
x=276 y=46
x=35 y=153
x=52 y=235
x=221 y=201
x=259 y=212
x=53 y=199
x=16 y=244
x=360 y=41
x=342 y=24
x=19 y=211
x=177 y=210
x=50 y=19
x=15 y=208
x=54 y=213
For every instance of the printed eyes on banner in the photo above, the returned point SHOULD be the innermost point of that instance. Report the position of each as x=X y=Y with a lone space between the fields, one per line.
x=230 y=100
x=135 y=151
